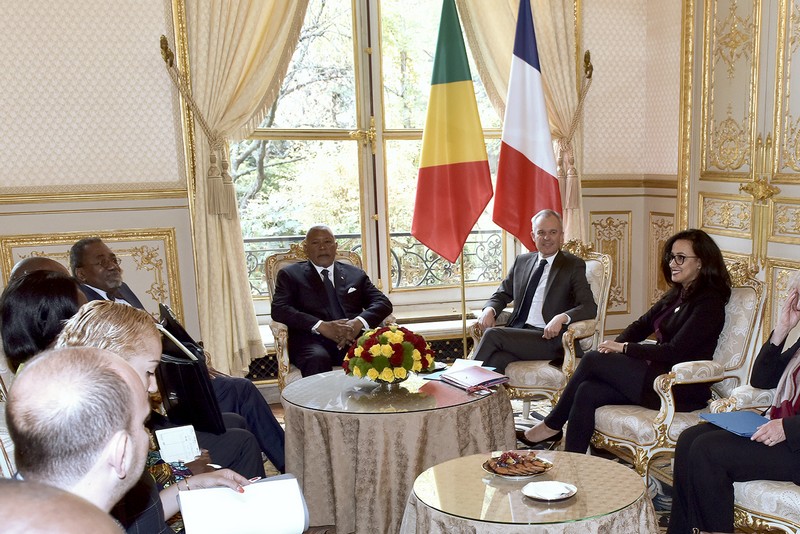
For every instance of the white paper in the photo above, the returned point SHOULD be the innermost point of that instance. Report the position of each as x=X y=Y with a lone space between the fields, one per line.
x=273 y=505
x=178 y=444
x=461 y=363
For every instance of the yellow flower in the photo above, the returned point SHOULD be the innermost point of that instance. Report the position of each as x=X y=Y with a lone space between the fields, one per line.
x=386 y=375
x=394 y=337
x=375 y=350
x=357 y=371
x=358 y=351
x=387 y=350
x=372 y=374
x=416 y=366
x=416 y=355
x=400 y=373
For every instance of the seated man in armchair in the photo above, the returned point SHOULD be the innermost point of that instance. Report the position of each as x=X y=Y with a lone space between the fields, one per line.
x=325 y=304
x=549 y=290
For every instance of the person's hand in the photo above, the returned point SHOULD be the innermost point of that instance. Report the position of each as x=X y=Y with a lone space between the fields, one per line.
x=486 y=320
x=338 y=331
x=610 y=346
x=200 y=465
x=222 y=478
x=553 y=328
x=356 y=326
x=788 y=317
x=770 y=433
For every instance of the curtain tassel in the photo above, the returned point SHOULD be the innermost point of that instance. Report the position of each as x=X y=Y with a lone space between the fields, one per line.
x=216 y=190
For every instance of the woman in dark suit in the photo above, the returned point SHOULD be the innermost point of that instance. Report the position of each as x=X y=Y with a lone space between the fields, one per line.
x=708 y=459
x=686 y=322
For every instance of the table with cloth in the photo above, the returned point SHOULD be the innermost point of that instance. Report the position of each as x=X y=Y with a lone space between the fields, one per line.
x=356 y=448
x=460 y=496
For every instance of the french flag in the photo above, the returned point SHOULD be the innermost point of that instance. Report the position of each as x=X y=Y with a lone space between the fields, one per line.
x=526 y=171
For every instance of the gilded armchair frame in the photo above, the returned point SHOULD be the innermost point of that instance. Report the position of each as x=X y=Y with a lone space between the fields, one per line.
x=588 y=332
x=662 y=427
x=287 y=372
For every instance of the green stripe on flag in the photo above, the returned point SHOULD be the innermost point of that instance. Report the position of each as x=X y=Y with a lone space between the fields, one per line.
x=450 y=63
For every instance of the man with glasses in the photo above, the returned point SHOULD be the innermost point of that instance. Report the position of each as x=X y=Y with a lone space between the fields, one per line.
x=97 y=269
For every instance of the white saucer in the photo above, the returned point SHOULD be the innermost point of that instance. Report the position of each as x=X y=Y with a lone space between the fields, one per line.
x=549 y=490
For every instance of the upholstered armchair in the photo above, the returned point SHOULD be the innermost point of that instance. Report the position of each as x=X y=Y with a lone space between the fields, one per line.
x=537 y=379
x=288 y=373
x=761 y=504
x=638 y=434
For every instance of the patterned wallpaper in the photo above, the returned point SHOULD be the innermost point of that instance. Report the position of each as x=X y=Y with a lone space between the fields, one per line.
x=70 y=81
x=631 y=118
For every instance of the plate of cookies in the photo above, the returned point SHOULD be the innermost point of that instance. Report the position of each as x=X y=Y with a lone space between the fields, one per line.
x=516 y=466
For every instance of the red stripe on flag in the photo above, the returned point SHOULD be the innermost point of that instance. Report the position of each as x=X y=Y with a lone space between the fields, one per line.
x=524 y=191
x=450 y=198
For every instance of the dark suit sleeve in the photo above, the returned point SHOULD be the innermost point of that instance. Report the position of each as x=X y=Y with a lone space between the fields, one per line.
x=770 y=364
x=690 y=335
x=585 y=306
x=284 y=308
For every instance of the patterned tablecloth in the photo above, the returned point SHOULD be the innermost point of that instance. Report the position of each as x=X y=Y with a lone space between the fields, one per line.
x=356 y=451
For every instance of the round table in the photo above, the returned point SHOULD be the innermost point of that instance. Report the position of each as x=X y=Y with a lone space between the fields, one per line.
x=460 y=496
x=356 y=448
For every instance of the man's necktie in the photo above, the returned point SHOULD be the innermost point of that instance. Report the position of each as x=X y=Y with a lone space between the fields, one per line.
x=525 y=307
x=334 y=306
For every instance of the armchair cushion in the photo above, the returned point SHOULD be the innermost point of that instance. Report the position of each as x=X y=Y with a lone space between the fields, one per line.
x=536 y=372
x=768 y=497
x=698 y=371
x=635 y=423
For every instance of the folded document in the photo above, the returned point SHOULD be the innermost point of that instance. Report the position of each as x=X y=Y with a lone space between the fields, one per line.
x=473 y=377
x=742 y=423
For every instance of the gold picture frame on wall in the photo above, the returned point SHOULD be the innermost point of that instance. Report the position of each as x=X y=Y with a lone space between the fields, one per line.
x=149 y=259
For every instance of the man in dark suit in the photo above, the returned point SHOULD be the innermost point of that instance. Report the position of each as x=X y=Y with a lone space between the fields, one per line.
x=98 y=270
x=549 y=290
x=325 y=304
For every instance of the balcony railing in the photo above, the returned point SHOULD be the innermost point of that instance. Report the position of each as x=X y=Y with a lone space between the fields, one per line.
x=413 y=264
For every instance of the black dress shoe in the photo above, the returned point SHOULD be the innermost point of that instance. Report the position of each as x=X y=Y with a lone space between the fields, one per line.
x=521 y=437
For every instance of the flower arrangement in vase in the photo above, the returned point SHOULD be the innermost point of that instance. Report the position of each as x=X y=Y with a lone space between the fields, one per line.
x=387 y=354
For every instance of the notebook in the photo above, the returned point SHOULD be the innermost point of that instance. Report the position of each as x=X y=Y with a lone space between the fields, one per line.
x=473 y=377
x=742 y=423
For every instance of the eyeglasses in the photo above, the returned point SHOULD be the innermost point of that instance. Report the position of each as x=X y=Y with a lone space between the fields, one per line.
x=106 y=263
x=679 y=258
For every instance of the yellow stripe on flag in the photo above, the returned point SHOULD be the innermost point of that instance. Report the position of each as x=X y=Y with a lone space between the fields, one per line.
x=453 y=132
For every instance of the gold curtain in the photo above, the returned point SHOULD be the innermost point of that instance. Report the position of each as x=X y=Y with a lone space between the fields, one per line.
x=490 y=28
x=238 y=54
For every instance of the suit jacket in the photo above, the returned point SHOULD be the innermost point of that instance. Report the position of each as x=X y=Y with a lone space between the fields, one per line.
x=300 y=299
x=689 y=332
x=767 y=371
x=125 y=292
x=567 y=289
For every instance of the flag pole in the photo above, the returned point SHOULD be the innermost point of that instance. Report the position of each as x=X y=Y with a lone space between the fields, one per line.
x=463 y=305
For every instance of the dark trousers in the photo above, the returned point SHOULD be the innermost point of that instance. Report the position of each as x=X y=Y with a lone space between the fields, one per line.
x=499 y=347
x=241 y=396
x=708 y=460
x=315 y=357
x=599 y=380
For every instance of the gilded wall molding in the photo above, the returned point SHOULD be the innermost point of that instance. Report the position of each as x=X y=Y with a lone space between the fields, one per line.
x=149 y=259
x=611 y=234
x=779 y=273
x=724 y=214
x=686 y=106
x=662 y=227
x=784 y=216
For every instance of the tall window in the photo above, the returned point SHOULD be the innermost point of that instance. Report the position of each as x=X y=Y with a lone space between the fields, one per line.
x=341 y=146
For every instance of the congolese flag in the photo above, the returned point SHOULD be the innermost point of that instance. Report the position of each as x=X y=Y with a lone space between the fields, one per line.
x=454 y=183
x=526 y=171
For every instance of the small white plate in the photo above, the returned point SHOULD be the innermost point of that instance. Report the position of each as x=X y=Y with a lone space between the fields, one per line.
x=549 y=490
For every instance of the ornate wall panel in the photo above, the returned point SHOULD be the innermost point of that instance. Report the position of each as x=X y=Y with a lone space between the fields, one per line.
x=87 y=106
x=731 y=72
x=662 y=226
x=611 y=234
x=785 y=218
x=787 y=109
x=148 y=255
x=726 y=214
x=779 y=273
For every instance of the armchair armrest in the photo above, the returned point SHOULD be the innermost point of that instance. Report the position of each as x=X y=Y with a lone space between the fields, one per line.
x=575 y=331
x=698 y=371
x=745 y=397
x=281 y=334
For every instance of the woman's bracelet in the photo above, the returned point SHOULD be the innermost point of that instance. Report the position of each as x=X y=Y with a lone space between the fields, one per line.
x=186 y=480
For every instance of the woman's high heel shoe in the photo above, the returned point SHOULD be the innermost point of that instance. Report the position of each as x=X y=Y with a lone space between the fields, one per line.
x=521 y=437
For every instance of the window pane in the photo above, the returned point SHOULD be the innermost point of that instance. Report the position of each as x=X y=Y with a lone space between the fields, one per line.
x=285 y=187
x=409 y=31
x=413 y=264
x=319 y=88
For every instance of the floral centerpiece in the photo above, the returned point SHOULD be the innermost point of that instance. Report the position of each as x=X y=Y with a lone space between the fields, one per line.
x=387 y=354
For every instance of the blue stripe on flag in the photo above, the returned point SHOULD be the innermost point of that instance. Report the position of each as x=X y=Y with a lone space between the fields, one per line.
x=525 y=39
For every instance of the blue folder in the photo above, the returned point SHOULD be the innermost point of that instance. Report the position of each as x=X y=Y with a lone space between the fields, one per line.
x=740 y=423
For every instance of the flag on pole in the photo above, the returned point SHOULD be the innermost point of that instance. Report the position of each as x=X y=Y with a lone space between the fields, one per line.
x=454 y=182
x=526 y=171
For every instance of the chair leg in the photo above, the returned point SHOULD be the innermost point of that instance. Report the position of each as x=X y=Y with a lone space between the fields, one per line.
x=526 y=409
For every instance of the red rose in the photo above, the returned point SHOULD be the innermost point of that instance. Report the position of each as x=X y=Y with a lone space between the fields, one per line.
x=346 y=366
x=367 y=356
x=396 y=359
x=369 y=343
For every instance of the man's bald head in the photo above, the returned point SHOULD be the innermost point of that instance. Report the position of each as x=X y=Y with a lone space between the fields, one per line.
x=66 y=406
x=36 y=263
x=31 y=508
